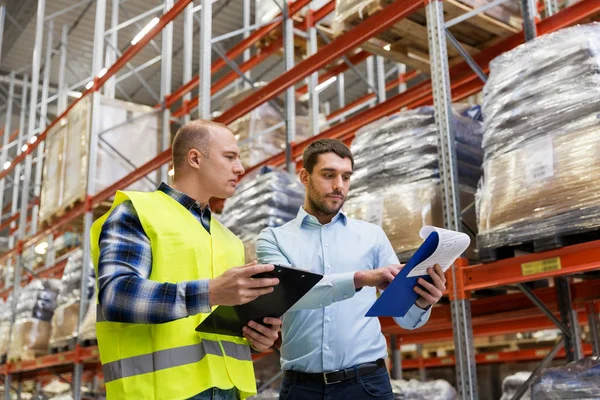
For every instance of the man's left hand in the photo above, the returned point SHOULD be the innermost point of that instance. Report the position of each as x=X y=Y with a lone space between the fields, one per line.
x=262 y=337
x=433 y=292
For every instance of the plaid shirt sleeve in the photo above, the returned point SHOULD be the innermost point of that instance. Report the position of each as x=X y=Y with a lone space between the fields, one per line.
x=125 y=292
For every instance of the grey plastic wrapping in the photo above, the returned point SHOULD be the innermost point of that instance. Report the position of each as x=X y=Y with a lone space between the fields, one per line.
x=417 y=390
x=33 y=312
x=513 y=383
x=268 y=199
x=577 y=381
x=65 y=318
x=542 y=134
x=5 y=322
x=396 y=180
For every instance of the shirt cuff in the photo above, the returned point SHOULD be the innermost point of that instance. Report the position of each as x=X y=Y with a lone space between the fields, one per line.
x=343 y=286
x=414 y=318
x=196 y=297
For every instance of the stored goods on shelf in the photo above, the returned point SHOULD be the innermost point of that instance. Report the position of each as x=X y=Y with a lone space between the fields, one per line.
x=267 y=10
x=396 y=181
x=88 y=326
x=542 y=139
x=513 y=383
x=5 y=322
x=417 y=390
x=267 y=198
x=132 y=141
x=33 y=312
x=66 y=315
x=258 y=134
x=578 y=381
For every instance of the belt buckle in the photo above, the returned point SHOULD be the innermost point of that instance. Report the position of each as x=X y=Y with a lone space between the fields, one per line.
x=327 y=382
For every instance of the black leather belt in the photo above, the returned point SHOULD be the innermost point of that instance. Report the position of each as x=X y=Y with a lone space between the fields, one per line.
x=329 y=378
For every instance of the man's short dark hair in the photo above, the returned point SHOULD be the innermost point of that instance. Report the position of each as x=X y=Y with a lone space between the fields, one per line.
x=323 y=146
x=193 y=135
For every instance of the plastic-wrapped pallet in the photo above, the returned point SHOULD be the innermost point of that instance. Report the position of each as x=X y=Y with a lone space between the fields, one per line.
x=268 y=10
x=261 y=133
x=396 y=181
x=5 y=322
x=88 y=327
x=66 y=315
x=513 y=383
x=541 y=142
x=31 y=332
x=269 y=198
x=417 y=390
x=578 y=381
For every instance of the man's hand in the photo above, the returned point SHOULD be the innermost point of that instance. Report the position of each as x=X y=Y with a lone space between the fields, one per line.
x=262 y=337
x=236 y=285
x=379 y=277
x=434 y=292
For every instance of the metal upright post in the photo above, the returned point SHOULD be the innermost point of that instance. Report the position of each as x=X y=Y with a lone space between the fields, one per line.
x=460 y=307
x=42 y=126
x=396 y=358
x=290 y=93
x=205 y=59
x=111 y=55
x=341 y=89
x=569 y=319
x=2 y=19
x=401 y=74
x=7 y=131
x=188 y=51
x=594 y=324
x=380 y=62
x=62 y=67
x=551 y=7
x=91 y=181
x=165 y=87
x=422 y=370
x=528 y=9
x=313 y=79
x=247 y=13
x=370 y=73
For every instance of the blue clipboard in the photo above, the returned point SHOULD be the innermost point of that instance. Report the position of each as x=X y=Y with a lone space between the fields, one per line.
x=399 y=296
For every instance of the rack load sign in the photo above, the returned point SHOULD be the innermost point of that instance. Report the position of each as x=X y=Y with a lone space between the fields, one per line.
x=541 y=266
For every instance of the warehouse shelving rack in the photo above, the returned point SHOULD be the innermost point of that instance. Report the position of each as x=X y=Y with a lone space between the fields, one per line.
x=446 y=85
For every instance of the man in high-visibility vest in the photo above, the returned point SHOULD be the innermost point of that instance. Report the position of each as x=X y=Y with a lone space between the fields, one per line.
x=162 y=264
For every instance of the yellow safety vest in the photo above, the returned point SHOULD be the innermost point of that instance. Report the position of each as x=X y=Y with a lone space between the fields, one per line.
x=172 y=361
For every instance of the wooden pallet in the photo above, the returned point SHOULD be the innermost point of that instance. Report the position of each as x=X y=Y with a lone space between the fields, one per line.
x=538 y=245
x=407 y=40
x=63 y=346
x=89 y=342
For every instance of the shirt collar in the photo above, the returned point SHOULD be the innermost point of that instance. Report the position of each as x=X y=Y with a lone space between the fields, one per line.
x=183 y=199
x=305 y=218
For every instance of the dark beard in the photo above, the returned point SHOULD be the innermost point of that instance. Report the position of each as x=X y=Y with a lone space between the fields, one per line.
x=319 y=205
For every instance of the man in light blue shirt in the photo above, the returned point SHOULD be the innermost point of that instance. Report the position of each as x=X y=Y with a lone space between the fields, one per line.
x=330 y=350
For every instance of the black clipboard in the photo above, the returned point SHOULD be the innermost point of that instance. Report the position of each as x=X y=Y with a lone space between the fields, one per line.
x=293 y=284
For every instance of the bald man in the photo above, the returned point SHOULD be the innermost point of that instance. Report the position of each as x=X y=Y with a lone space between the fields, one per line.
x=162 y=264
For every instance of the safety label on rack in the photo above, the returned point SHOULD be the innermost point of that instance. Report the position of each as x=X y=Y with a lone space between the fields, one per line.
x=375 y=211
x=539 y=160
x=541 y=266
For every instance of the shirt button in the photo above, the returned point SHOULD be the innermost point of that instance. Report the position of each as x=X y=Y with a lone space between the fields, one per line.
x=328 y=319
x=321 y=305
x=328 y=266
x=345 y=296
x=326 y=245
x=326 y=347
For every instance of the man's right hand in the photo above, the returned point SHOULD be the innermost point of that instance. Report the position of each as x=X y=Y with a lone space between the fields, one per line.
x=379 y=277
x=236 y=286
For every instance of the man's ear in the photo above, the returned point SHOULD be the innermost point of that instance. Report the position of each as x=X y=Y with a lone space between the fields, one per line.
x=194 y=158
x=303 y=174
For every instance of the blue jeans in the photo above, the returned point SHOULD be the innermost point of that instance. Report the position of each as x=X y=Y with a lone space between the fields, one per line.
x=217 y=394
x=373 y=386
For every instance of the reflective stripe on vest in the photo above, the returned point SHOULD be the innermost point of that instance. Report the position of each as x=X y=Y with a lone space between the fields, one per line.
x=172 y=358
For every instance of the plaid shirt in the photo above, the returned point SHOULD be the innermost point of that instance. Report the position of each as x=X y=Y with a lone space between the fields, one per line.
x=125 y=292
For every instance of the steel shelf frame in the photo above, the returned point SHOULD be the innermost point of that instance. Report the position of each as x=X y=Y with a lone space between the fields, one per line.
x=447 y=84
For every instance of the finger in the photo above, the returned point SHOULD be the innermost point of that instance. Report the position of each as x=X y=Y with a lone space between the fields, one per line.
x=437 y=280
x=274 y=322
x=260 y=328
x=425 y=295
x=257 y=269
x=252 y=294
x=255 y=345
x=262 y=282
x=427 y=285
x=257 y=337
x=440 y=273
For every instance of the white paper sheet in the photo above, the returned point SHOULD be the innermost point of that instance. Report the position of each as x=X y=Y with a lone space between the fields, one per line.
x=450 y=246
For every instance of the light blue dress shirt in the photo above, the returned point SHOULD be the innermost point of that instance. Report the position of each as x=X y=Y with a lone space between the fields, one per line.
x=327 y=329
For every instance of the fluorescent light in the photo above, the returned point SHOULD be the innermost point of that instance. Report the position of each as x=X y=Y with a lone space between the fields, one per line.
x=387 y=47
x=145 y=30
x=171 y=172
x=24 y=148
x=102 y=72
x=41 y=248
x=323 y=85
x=89 y=85
x=33 y=139
x=7 y=165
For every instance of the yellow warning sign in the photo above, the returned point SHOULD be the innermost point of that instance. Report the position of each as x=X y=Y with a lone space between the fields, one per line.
x=542 y=266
